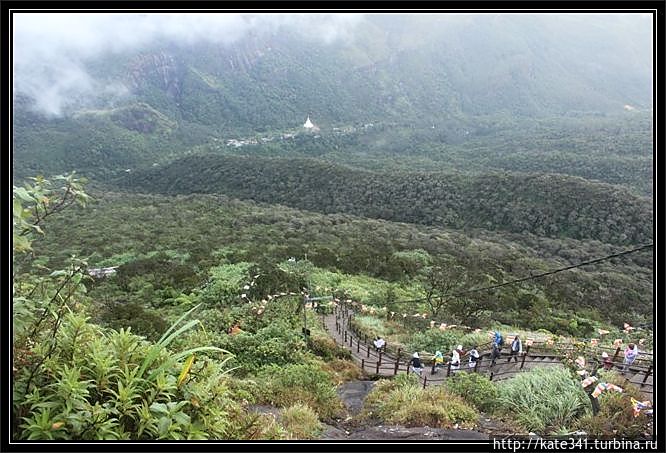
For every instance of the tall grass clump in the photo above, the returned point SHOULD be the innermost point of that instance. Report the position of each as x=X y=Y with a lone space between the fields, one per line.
x=370 y=326
x=543 y=400
x=301 y=422
x=402 y=401
x=302 y=383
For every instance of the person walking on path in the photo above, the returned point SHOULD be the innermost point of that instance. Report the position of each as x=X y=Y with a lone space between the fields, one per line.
x=516 y=349
x=379 y=344
x=438 y=361
x=415 y=363
x=630 y=354
x=498 y=342
x=473 y=357
x=455 y=358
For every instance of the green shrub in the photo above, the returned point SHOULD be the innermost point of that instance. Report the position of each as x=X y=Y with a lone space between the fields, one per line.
x=301 y=383
x=95 y=384
x=403 y=401
x=369 y=326
x=326 y=348
x=432 y=340
x=342 y=370
x=276 y=344
x=469 y=340
x=301 y=422
x=543 y=400
x=474 y=388
x=142 y=321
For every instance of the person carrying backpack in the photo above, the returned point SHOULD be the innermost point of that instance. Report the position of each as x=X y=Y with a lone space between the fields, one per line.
x=516 y=349
x=498 y=342
x=439 y=361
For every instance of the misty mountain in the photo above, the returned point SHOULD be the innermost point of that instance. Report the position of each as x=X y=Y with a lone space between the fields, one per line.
x=390 y=66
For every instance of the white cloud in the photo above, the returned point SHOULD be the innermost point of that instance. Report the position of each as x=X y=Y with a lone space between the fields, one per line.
x=50 y=49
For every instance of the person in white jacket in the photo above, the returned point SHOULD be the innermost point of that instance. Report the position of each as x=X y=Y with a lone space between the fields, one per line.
x=516 y=349
x=455 y=358
x=473 y=357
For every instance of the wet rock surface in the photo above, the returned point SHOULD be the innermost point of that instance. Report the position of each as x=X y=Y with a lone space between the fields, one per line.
x=382 y=432
x=353 y=394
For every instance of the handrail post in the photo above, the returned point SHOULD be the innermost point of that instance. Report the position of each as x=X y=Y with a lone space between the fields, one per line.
x=399 y=351
x=492 y=373
x=425 y=379
x=367 y=346
x=432 y=370
x=377 y=370
x=617 y=353
x=380 y=357
x=647 y=374
x=363 y=364
x=522 y=363
x=397 y=364
x=351 y=342
x=448 y=370
x=358 y=345
x=345 y=337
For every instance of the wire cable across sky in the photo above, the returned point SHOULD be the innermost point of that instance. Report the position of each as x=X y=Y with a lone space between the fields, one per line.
x=532 y=277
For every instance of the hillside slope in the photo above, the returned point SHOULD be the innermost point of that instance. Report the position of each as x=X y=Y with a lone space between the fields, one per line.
x=546 y=205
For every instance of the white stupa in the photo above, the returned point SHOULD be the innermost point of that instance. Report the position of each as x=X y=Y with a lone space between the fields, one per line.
x=308 y=124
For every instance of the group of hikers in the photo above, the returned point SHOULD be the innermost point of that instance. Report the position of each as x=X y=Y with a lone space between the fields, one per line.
x=416 y=365
x=516 y=350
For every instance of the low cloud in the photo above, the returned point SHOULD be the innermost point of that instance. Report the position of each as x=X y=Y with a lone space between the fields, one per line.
x=50 y=51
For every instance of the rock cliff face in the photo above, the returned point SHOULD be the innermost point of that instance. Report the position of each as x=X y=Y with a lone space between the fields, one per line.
x=160 y=68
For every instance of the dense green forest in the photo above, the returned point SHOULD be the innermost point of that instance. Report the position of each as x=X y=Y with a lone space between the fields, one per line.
x=547 y=205
x=104 y=144
x=451 y=153
x=165 y=246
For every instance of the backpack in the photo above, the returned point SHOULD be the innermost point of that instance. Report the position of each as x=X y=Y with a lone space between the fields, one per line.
x=500 y=342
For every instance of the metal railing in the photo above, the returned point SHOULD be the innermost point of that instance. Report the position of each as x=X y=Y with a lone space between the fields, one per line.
x=391 y=360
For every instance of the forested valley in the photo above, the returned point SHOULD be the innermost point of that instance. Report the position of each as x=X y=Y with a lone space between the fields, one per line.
x=184 y=246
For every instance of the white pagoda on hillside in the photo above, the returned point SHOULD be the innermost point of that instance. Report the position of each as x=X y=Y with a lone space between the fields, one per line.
x=309 y=126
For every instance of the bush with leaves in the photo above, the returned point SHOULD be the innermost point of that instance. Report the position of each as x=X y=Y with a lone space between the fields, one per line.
x=75 y=380
x=304 y=383
x=142 y=321
x=543 y=400
x=474 y=388
x=275 y=344
x=432 y=340
x=98 y=384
